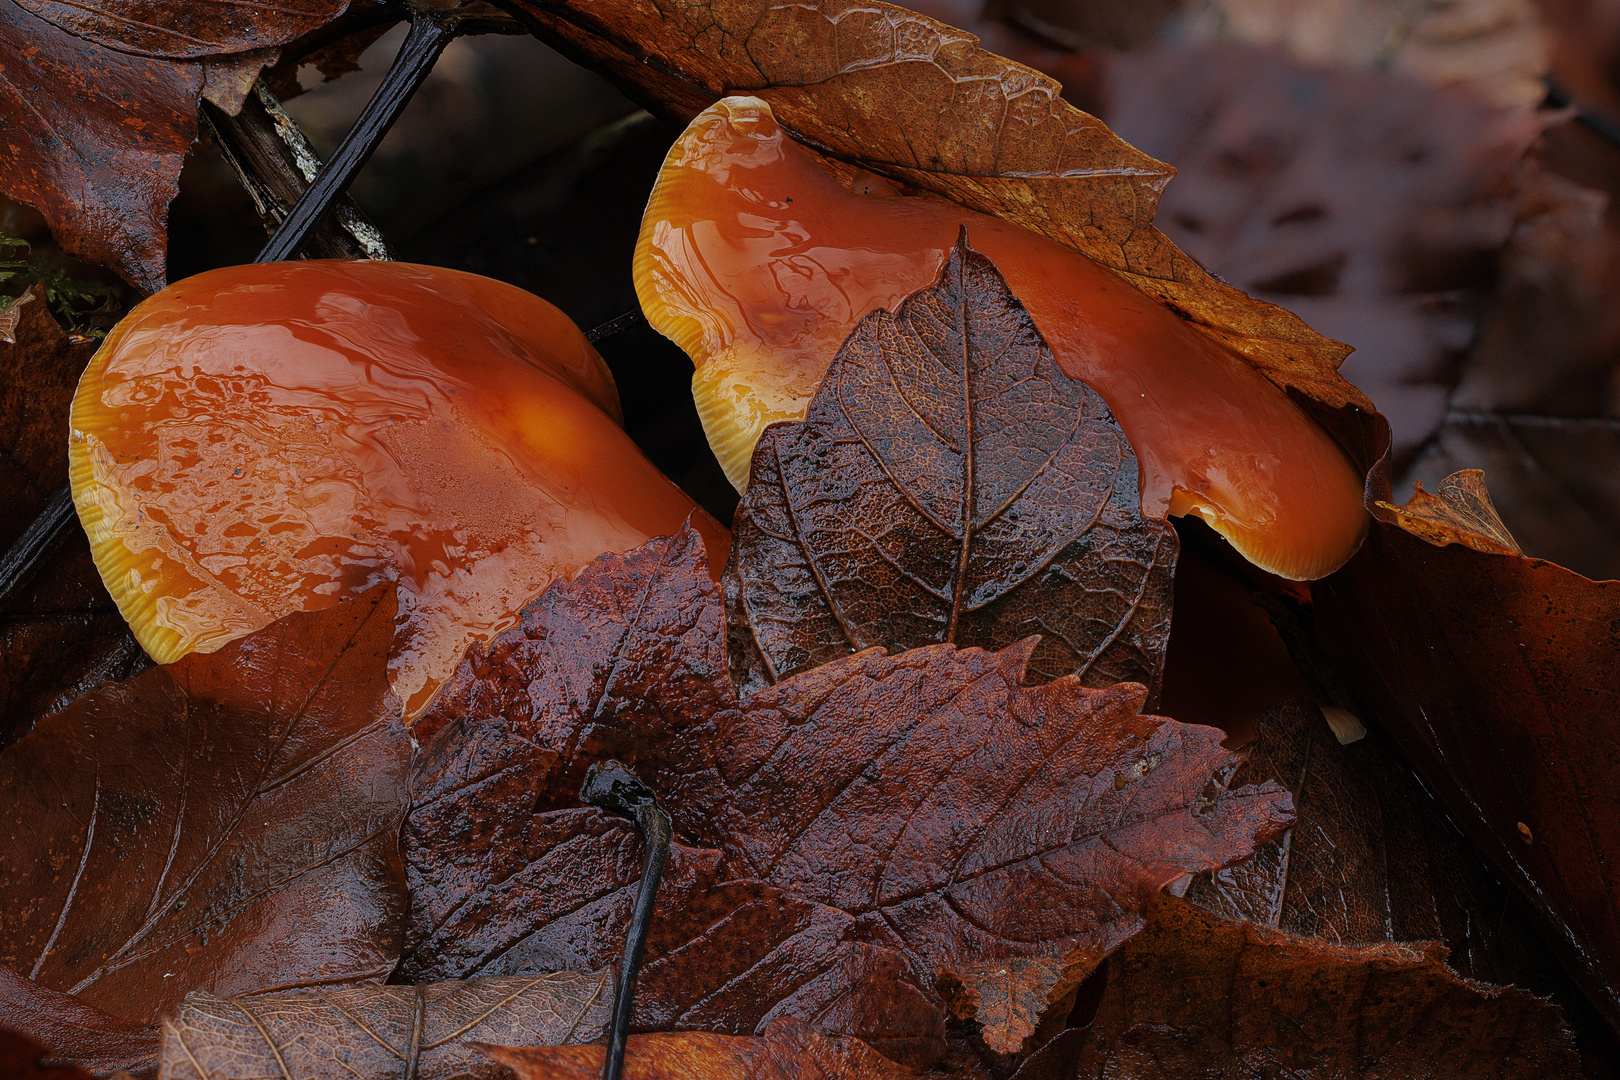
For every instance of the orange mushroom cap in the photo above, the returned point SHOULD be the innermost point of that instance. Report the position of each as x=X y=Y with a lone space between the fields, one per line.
x=272 y=438
x=758 y=261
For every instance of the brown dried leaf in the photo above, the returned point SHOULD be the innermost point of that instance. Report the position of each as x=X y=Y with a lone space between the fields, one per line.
x=900 y=94
x=949 y=484
x=1192 y=996
x=1494 y=673
x=226 y=823
x=381 y=1032
x=97 y=1041
x=1460 y=513
x=193 y=29
x=785 y=1050
x=95 y=140
x=61 y=634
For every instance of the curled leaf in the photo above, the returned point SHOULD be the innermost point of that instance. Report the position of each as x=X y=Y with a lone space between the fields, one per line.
x=74 y=1031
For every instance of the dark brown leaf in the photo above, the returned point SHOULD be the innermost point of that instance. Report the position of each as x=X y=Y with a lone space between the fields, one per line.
x=196 y=28
x=785 y=1050
x=61 y=634
x=381 y=1032
x=1192 y=996
x=1004 y=837
x=94 y=139
x=976 y=825
x=1494 y=673
x=1372 y=858
x=226 y=823
x=898 y=93
x=497 y=889
x=74 y=1031
x=949 y=484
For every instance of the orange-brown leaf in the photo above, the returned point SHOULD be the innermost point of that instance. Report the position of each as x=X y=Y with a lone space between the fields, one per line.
x=900 y=94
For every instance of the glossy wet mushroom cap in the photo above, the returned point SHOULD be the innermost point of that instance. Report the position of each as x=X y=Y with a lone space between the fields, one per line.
x=263 y=439
x=758 y=260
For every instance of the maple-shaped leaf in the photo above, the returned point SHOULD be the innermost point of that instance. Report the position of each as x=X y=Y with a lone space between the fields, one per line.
x=228 y=823
x=74 y=1031
x=496 y=889
x=949 y=484
x=380 y=1032
x=63 y=634
x=785 y=1050
x=1194 y=996
x=889 y=90
x=1495 y=675
x=976 y=825
x=194 y=29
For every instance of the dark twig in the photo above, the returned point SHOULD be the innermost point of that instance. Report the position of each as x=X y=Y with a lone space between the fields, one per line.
x=611 y=786
x=275 y=165
x=25 y=556
x=616 y=325
x=430 y=32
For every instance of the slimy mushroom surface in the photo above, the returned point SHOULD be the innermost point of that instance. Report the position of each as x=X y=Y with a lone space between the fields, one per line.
x=758 y=261
x=264 y=439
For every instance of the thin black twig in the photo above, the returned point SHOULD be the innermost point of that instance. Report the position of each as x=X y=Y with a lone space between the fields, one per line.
x=430 y=32
x=27 y=554
x=616 y=325
x=611 y=786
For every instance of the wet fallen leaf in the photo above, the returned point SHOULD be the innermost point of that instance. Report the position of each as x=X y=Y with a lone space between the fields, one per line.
x=380 y=1032
x=184 y=31
x=60 y=634
x=971 y=823
x=95 y=139
x=497 y=889
x=226 y=823
x=785 y=1050
x=1192 y=996
x=900 y=94
x=1368 y=204
x=1461 y=513
x=949 y=484
x=97 y=1041
x=1494 y=674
